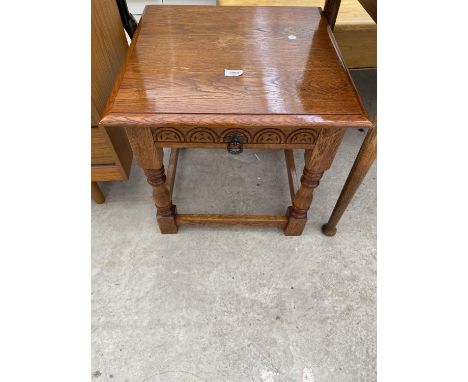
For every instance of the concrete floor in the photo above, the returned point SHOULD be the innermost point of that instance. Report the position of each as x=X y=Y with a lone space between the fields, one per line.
x=236 y=304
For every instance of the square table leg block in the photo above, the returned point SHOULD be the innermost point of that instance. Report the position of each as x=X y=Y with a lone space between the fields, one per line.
x=295 y=226
x=167 y=224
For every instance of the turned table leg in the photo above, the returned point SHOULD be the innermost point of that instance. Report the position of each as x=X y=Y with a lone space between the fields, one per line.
x=162 y=199
x=363 y=162
x=297 y=213
x=150 y=158
x=97 y=194
x=317 y=160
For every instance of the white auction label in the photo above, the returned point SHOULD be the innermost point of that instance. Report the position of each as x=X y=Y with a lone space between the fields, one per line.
x=232 y=73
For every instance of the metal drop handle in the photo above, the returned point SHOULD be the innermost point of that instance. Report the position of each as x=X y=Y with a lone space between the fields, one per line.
x=234 y=143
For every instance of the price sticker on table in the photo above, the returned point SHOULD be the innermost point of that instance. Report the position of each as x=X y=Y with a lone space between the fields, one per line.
x=232 y=73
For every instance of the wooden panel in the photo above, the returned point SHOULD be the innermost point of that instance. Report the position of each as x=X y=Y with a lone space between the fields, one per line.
x=118 y=139
x=101 y=153
x=170 y=72
x=358 y=46
x=355 y=30
x=108 y=49
x=106 y=172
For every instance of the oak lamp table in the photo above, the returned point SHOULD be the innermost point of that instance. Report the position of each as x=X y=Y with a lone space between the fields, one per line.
x=234 y=78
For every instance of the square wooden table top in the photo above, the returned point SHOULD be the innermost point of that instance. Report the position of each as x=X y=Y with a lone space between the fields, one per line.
x=293 y=74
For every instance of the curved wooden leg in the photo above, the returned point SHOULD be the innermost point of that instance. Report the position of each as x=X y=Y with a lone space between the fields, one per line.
x=363 y=162
x=97 y=194
x=317 y=161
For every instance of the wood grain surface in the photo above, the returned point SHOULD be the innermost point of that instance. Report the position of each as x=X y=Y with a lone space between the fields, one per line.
x=101 y=153
x=249 y=220
x=174 y=73
x=102 y=173
x=350 y=12
x=111 y=155
x=108 y=49
x=355 y=29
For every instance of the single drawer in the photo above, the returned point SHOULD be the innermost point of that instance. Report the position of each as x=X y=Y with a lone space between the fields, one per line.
x=101 y=152
x=102 y=173
x=250 y=138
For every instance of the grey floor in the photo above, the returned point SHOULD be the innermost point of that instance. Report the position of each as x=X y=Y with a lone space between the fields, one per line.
x=236 y=304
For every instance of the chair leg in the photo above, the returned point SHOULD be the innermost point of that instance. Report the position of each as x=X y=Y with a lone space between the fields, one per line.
x=97 y=194
x=363 y=162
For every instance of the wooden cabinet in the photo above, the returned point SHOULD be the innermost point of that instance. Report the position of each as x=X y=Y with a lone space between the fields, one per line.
x=111 y=155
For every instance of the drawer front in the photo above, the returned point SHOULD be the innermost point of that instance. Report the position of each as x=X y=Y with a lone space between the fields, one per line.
x=101 y=152
x=251 y=138
x=104 y=173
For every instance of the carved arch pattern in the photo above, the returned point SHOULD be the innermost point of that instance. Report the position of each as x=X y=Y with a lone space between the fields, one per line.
x=303 y=136
x=206 y=135
x=168 y=134
x=201 y=135
x=269 y=136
